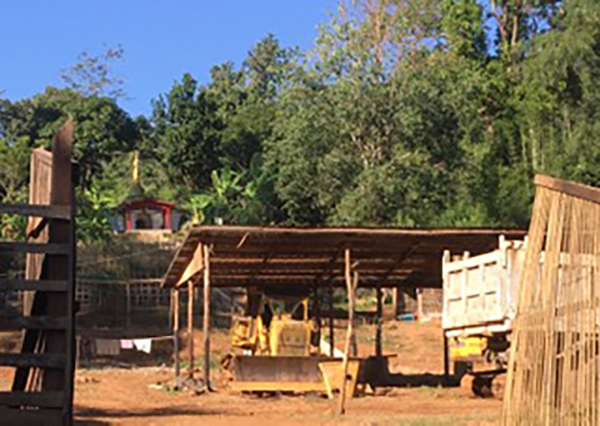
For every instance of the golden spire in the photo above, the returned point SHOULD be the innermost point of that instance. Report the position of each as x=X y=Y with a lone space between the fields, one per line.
x=135 y=159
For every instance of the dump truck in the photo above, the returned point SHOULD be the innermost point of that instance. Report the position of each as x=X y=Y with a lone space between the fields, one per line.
x=480 y=297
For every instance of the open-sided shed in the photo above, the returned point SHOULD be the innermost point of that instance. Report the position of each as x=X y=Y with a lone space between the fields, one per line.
x=301 y=259
x=241 y=256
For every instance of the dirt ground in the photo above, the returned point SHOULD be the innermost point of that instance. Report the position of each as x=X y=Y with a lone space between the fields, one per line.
x=138 y=395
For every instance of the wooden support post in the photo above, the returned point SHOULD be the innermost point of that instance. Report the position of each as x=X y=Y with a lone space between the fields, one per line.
x=190 y=329
x=206 y=318
x=446 y=356
x=128 y=295
x=175 y=310
x=351 y=284
x=396 y=301
x=331 y=325
x=379 y=323
x=317 y=309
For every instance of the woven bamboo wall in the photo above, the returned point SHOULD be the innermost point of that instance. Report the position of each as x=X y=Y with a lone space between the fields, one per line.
x=553 y=376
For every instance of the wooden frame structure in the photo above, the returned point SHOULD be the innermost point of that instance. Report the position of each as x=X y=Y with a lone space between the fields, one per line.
x=301 y=258
x=554 y=371
x=42 y=391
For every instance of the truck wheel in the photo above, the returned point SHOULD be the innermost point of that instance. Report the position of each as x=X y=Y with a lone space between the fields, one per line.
x=482 y=386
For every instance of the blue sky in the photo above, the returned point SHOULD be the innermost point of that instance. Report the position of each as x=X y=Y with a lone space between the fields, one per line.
x=162 y=39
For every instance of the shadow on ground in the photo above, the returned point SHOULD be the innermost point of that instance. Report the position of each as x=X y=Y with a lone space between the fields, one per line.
x=82 y=414
x=418 y=380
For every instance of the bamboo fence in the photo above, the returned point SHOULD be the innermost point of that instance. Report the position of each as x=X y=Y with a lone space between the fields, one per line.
x=553 y=375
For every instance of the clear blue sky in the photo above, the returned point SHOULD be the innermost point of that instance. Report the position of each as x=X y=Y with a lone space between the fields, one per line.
x=162 y=39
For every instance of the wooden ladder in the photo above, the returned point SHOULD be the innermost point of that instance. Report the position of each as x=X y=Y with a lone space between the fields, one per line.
x=42 y=390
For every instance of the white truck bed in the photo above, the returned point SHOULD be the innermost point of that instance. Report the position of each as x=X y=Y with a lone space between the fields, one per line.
x=480 y=292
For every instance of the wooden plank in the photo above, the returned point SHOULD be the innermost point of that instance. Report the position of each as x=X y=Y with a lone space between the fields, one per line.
x=47 y=417
x=32 y=360
x=37 y=210
x=351 y=284
x=574 y=189
x=61 y=268
x=21 y=247
x=33 y=323
x=379 y=325
x=175 y=300
x=195 y=266
x=32 y=399
x=32 y=285
x=190 y=329
x=206 y=316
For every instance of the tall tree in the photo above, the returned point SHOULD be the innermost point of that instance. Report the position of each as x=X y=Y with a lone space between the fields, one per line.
x=93 y=75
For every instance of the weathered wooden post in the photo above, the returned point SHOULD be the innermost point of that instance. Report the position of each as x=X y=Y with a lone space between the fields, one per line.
x=190 y=329
x=175 y=310
x=331 y=324
x=379 y=322
x=351 y=284
x=317 y=308
x=206 y=317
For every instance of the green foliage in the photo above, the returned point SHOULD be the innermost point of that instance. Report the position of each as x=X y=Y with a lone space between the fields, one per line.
x=93 y=211
x=92 y=74
x=422 y=113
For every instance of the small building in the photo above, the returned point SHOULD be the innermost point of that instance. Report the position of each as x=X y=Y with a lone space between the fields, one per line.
x=145 y=215
x=148 y=214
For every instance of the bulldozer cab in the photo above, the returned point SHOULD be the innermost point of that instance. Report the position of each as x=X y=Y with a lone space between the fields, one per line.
x=272 y=326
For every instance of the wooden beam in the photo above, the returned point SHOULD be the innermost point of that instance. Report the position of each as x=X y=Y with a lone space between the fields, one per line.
x=317 y=311
x=41 y=417
x=21 y=247
x=54 y=399
x=33 y=323
x=351 y=283
x=37 y=210
x=379 y=323
x=175 y=300
x=331 y=324
x=578 y=190
x=190 y=329
x=206 y=317
x=193 y=267
x=57 y=267
x=446 y=355
x=32 y=360
x=32 y=285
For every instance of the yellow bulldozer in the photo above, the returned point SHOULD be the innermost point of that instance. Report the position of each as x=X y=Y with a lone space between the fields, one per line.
x=276 y=349
x=275 y=334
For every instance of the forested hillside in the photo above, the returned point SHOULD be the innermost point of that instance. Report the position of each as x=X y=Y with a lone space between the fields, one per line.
x=411 y=113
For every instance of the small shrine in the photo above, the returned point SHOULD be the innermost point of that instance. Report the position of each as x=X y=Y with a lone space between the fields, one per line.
x=139 y=213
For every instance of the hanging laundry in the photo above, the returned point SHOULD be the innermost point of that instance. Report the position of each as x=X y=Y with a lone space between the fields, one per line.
x=126 y=344
x=144 y=345
x=107 y=347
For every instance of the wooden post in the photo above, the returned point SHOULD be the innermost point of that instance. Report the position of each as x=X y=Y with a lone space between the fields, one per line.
x=351 y=284
x=175 y=300
x=395 y=301
x=331 y=328
x=190 y=329
x=446 y=356
x=419 y=304
x=206 y=318
x=379 y=323
x=317 y=307
x=128 y=291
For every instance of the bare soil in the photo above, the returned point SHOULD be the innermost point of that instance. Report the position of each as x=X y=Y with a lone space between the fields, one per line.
x=106 y=395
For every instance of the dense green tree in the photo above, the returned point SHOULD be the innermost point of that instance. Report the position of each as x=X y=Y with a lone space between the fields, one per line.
x=405 y=113
x=187 y=134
